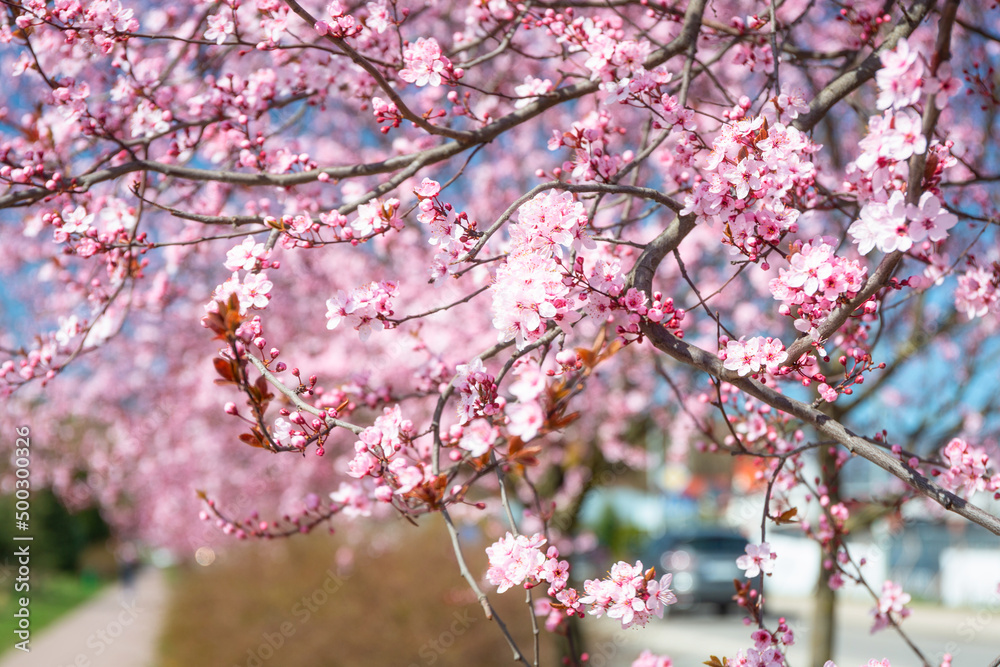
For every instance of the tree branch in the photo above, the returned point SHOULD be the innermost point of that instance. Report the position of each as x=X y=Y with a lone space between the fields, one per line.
x=851 y=80
x=641 y=277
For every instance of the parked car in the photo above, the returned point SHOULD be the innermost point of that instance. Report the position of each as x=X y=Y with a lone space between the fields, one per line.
x=703 y=564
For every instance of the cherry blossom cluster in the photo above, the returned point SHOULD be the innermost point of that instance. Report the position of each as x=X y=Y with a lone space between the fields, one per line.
x=381 y=455
x=425 y=65
x=273 y=23
x=220 y=26
x=748 y=357
x=589 y=141
x=101 y=23
x=310 y=513
x=629 y=594
x=891 y=140
x=527 y=416
x=107 y=233
x=600 y=280
x=968 y=470
x=386 y=111
x=613 y=59
x=768 y=649
x=477 y=391
x=375 y=218
x=879 y=174
x=752 y=424
x=610 y=58
x=246 y=255
x=529 y=289
x=519 y=561
x=365 y=308
x=531 y=286
x=784 y=107
x=830 y=523
x=42 y=361
x=529 y=89
x=340 y=24
x=816 y=280
x=475 y=438
x=894 y=225
x=253 y=291
x=662 y=311
x=453 y=234
x=240 y=97
x=125 y=146
x=551 y=222
x=891 y=606
x=978 y=292
x=905 y=76
x=607 y=280
x=353 y=499
x=755 y=177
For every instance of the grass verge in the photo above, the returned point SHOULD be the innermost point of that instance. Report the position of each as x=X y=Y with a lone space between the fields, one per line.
x=52 y=595
x=401 y=602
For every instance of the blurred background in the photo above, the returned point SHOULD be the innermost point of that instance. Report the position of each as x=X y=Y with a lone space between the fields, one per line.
x=393 y=595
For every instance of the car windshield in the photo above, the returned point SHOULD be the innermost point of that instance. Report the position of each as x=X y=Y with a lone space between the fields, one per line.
x=718 y=545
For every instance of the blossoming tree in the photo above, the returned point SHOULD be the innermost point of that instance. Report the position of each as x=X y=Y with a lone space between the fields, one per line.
x=291 y=264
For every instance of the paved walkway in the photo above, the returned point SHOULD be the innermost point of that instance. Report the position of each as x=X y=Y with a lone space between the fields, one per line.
x=972 y=636
x=119 y=628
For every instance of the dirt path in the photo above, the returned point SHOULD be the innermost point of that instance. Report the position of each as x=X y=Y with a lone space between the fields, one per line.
x=119 y=628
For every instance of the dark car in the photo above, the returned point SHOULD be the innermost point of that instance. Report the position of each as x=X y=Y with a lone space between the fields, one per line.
x=703 y=564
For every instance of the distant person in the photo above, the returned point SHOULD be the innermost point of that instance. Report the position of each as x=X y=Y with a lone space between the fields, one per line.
x=127 y=556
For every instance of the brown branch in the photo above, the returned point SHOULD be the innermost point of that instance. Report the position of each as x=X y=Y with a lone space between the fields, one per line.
x=890 y=262
x=851 y=80
x=641 y=277
x=386 y=87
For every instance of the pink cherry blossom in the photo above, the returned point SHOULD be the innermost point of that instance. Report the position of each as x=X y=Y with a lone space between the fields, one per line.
x=477 y=391
x=969 y=468
x=627 y=595
x=900 y=78
x=253 y=291
x=882 y=226
x=424 y=63
x=929 y=220
x=648 y=659
x=526 y=419
x=515 y=560
x=978 y=292
x=245 y=256
x=220 y=26
x=758 y=558
x=531 y=88
x=353 y=499
x=365 y=308
x=750 y=356
x=891 y=605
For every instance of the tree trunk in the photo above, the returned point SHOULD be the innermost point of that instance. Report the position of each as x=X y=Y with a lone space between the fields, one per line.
x=824 y=627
